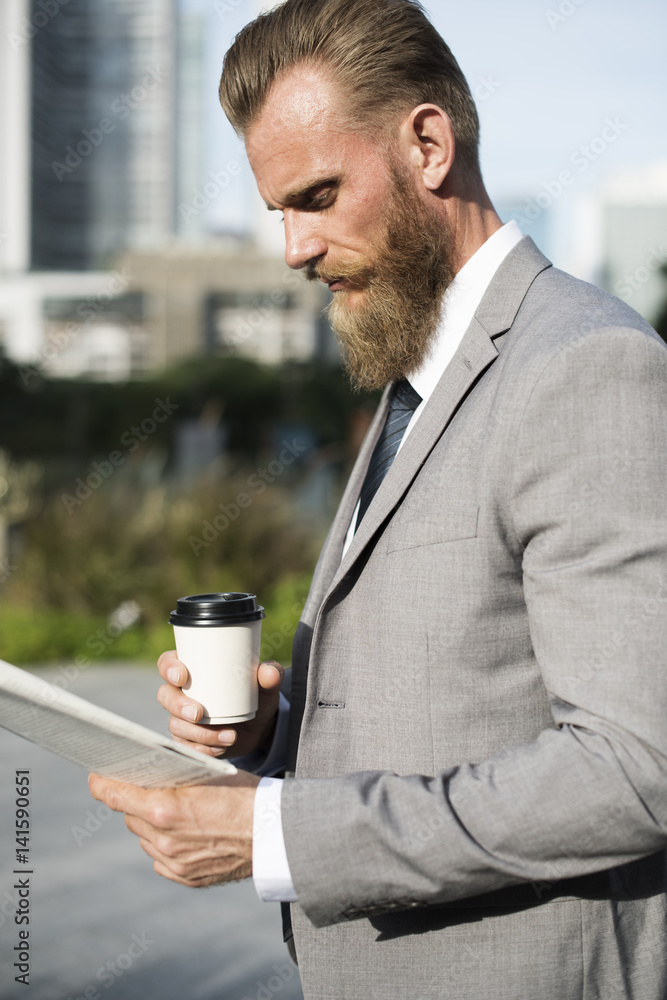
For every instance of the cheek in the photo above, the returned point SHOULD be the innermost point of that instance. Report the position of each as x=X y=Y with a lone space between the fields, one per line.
x=358 y=221
x=357 y=238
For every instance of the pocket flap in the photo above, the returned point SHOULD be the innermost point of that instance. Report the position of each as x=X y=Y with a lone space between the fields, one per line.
x=455 y=524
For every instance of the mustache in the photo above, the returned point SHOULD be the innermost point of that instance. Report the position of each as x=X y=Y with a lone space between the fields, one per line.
x=356 y=273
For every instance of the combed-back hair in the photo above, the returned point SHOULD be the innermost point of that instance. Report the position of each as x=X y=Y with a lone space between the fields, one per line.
x=384 y=55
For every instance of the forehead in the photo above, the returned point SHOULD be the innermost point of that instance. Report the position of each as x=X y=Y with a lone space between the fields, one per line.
x=300 y=137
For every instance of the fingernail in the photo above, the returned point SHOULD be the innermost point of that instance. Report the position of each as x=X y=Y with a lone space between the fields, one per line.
x=227 y=737
x=190 y=712
x=174 y=675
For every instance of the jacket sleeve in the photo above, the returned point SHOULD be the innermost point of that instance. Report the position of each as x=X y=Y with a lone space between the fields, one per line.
x=587 y=504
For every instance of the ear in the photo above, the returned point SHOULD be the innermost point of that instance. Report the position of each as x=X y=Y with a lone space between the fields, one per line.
x=427 y=138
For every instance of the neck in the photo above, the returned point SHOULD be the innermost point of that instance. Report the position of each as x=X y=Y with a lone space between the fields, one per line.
x=471 y=218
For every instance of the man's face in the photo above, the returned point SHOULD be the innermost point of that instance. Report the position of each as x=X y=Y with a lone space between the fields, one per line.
x=354 y=219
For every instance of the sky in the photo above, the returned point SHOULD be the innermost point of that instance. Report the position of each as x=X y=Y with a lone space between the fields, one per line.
x=551 y=77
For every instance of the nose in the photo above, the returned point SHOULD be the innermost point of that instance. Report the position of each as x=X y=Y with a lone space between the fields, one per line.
x=303 y=239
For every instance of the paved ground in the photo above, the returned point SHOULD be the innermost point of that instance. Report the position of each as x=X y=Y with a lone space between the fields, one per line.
x=93 y=896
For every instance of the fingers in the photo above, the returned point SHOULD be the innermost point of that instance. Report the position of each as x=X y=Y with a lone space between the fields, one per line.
x=187 y=713
x=178 y=704
x=117 y=795
x=171 y=669
x=206 y=751
x=217 y=737
x=270 y=675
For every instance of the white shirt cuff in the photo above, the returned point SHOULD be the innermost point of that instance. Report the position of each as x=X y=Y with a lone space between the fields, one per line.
x=270 y=868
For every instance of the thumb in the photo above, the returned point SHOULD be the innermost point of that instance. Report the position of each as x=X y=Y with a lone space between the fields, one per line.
x=270 y=675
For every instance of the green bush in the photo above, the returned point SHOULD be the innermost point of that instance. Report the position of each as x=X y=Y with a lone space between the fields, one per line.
x=48 y=636
x=140 y=536
x=45 y=635
x=148 y=545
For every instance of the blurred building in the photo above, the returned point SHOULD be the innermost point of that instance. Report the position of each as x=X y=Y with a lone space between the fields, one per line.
x=102 y=124
x=70 y=324
x=227 y=297
x=621 y=237
x=15 y=145
x=105 y=269
x=102 y=131
x=189 y=116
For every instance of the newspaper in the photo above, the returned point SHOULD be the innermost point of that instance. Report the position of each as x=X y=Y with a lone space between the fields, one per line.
x=97 y=739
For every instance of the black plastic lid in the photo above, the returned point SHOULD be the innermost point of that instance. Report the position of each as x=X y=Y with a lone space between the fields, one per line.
x=214 y=610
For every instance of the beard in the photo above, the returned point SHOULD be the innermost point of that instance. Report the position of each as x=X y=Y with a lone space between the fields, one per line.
x=389 y=335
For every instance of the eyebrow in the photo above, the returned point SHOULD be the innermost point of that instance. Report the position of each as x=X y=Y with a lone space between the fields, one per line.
x=300 y=193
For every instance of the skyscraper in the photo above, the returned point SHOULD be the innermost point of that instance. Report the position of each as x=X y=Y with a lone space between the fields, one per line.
x=189 y=115
x=102 y=144
x=102 y=122
x=15 y=138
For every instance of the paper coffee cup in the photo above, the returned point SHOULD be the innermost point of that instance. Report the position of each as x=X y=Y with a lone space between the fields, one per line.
x=218 y=638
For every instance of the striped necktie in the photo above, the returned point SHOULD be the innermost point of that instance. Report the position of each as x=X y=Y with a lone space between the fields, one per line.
x=404 y=402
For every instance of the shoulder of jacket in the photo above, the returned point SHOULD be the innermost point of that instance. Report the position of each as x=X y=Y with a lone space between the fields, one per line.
x=560 y=310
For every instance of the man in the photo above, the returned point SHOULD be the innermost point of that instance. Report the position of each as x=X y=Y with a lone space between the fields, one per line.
x=474 y=803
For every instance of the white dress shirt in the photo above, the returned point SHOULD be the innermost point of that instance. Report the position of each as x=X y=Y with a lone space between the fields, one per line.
x=271 y=873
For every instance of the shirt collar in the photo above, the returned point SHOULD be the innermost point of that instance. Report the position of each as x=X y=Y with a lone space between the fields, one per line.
x=460 y=303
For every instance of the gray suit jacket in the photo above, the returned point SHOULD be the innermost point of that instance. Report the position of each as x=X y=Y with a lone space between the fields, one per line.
x=479 y=807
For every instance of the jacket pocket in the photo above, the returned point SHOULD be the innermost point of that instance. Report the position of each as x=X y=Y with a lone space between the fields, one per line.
x=410 y=533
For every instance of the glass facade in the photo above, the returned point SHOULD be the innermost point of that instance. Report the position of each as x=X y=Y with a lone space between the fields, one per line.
x=102 y=142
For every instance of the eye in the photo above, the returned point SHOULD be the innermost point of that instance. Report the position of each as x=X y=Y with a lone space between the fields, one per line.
x=321 y=201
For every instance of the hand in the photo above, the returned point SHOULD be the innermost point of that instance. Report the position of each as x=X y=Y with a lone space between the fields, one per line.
x=200 y=835
x=244 y=737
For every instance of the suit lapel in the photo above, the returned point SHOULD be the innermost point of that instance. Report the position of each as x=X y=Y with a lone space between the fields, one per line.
x=477 y=351
x=332 y=550
x=327 y=566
